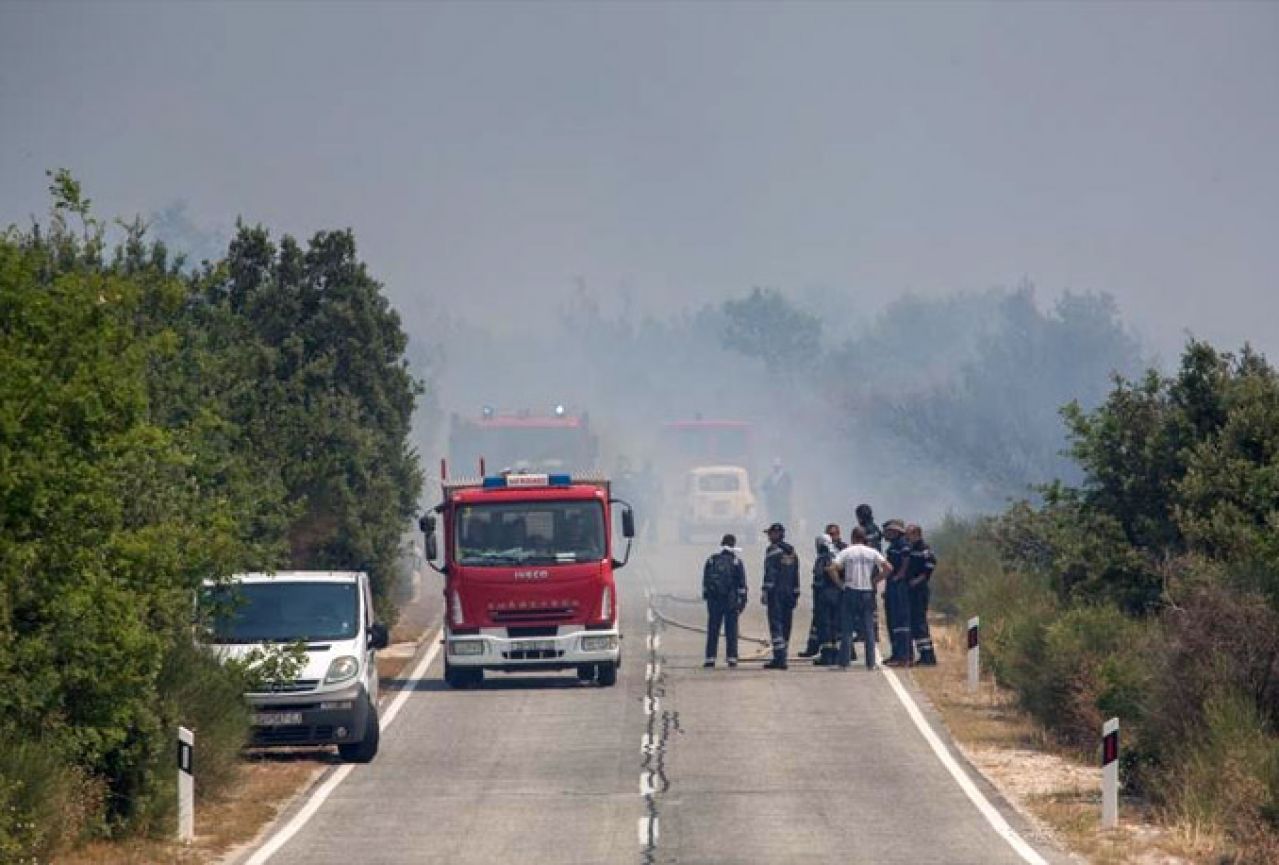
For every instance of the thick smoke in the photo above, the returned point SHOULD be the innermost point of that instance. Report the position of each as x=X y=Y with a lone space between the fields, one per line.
x=928 y=407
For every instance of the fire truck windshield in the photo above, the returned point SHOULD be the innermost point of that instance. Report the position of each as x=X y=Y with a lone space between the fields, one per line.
x=545 y=532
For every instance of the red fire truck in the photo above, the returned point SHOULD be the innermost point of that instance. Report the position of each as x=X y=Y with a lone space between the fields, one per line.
x=687 y=444
x=557 y=441
x=528 y=566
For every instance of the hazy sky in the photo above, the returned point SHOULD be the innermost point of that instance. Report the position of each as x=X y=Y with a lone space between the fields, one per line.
x=489 y=154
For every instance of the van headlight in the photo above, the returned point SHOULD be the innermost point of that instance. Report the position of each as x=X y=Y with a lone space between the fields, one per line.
x=341 y=669
x=601 y=643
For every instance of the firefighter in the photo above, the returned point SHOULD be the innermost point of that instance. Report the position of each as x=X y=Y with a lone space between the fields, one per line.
x=724 y=590
x=919 y=573
x=897 y=595
x=823 y=634
x=781 y=592
x=777 y=492
x=866 y=519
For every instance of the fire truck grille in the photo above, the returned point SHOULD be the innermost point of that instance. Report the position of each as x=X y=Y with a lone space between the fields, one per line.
x=533 y=655
x=541 y=614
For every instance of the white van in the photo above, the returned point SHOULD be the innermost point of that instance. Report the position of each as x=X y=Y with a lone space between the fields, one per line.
x=333 y=700
x=718 y=499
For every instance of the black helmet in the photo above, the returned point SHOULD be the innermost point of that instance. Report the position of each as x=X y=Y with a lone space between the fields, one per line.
x=863 y=514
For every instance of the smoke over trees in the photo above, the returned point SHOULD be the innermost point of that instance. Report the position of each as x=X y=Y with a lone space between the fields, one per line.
x=931 y=405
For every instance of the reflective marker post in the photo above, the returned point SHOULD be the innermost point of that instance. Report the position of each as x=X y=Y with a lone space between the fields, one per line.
x=1110 y=774
x=186 y=785
x=974 y=653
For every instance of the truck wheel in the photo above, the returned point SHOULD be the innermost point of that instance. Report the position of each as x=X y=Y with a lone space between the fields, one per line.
x=586 y=672
x=364 y=750
x=606 y=674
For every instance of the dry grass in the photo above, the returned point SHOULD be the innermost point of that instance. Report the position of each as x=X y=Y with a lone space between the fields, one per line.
x=269 y=780
x=1057 y=789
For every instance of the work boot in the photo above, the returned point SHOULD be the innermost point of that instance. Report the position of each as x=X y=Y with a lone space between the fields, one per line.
x=927 y=658
x=732 y=662
x=809 y=651
x=710 y=662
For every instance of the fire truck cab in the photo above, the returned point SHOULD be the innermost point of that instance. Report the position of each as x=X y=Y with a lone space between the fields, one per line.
x=528 y=562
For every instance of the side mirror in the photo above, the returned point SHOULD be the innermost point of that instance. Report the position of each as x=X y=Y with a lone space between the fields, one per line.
x=379 y=638
x=628 y=523
x=427 y=525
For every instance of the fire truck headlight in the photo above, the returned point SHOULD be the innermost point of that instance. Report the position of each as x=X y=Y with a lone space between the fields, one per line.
x=466 y=647
x=606 y=603
x=341 y=669
x=559 y=411
x=601 y=643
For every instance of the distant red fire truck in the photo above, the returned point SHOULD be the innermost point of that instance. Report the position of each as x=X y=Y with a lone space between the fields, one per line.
x=687 y=444
x=528 y=561
x=557 y=441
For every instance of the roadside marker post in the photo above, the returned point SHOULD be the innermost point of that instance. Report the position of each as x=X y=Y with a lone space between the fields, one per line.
x=1110 y=774
x=186 y=785
x=974 y=653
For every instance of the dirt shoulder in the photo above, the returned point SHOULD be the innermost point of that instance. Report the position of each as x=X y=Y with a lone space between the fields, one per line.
x=270 y=780
x=1057 y=790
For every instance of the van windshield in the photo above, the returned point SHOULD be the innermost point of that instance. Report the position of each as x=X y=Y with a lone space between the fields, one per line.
x=521 y=532
x=283 y=612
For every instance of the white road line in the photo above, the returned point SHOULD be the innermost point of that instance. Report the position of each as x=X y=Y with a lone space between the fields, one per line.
x=651 y=705
x=651 y=672
x=647 y=787
x=302 y=817
x=992 y=815
x=646 y=744
x=647 y=830
x=651 y=617
x=654 y=642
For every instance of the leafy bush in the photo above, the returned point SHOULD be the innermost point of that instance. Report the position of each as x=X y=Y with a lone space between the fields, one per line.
x=157 y=431
x=45 y=802
x=1228 y=777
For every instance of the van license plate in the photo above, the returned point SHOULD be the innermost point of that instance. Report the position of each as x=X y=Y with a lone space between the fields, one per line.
x=276 y=719
x=536 y=646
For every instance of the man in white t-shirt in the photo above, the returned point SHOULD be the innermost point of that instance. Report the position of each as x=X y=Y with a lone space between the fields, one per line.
x=863 y=566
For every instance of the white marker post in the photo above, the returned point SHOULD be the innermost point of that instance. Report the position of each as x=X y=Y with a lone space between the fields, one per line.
x=974 y=653
x=1110 y=774
x=186 y=785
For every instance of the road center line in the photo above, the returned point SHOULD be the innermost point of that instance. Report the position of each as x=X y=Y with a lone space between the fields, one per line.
x=992 y=815
x=325 y=790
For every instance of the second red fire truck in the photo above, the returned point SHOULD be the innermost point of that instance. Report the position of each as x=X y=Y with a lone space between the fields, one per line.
x=529 y=563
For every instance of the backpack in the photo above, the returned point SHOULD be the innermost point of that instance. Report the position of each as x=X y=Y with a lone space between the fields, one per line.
x=722 y=579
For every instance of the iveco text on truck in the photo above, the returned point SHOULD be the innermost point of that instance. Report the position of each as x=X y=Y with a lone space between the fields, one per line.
x=529 y=575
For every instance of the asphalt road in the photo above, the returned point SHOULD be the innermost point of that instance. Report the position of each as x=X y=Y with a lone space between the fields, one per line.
x=674 y=764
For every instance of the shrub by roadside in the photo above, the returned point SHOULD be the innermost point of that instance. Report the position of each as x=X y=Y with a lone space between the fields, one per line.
x=1190 y=686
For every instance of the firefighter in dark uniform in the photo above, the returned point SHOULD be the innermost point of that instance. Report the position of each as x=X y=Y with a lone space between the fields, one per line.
x=919 y=572
x=724 y=590
x=866 y=519
x=897 y=595
x=823 y=634
x=781 y=592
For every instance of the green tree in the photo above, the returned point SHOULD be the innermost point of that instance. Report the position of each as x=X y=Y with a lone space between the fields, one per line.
x=332 y=397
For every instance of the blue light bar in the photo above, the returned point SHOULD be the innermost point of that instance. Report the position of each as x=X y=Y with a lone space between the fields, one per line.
x=501 y=482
